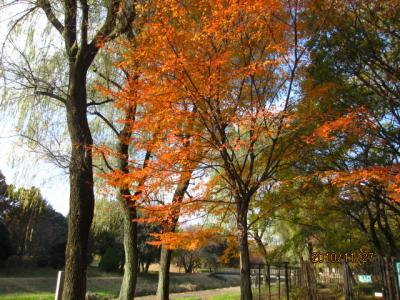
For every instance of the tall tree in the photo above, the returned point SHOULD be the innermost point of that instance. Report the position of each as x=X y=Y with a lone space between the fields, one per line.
x=163 y=147
x=81 y=45
x=122 y=153
x=234 y=64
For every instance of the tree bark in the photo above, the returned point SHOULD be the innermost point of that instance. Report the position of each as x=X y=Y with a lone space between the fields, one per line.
x=261 y=249
x=81 y=187
x=146 y=267
x=263 y=252
x=385 y=229
x=245 y=282
x=80 y=56
x=165 y=256
x=128 y=286
x=163 y=274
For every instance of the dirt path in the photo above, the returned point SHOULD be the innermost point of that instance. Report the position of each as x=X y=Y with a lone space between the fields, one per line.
x=203 y=295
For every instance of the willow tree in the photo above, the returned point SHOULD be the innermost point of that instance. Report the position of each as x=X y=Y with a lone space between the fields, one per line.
x=82 y=37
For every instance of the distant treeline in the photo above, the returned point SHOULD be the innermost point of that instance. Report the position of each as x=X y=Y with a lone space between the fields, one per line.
x=30 y=228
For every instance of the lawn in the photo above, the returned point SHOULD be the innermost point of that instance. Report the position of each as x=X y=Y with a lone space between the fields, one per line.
x=40 y=284
x=23 y=296
x=227 y=296
x=236 y=295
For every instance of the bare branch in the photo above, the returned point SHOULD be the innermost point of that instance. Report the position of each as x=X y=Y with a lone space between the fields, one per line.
x=69 y=34
x=46 y=7
x=107 y=163
x=60 y=160
x=106 y=78
x=106 y=121
x=108 y=100
x=85 y=22
x=51 y=95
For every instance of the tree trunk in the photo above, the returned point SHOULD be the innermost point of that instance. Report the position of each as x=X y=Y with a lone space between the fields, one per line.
x=165 y=256
x=81 y=199
x=163 y=274
x=387 y=232
x=245 y=282
x=373 y=234
x=80 y=57
x=146 y=267
x=128 y=286
x=263 y=252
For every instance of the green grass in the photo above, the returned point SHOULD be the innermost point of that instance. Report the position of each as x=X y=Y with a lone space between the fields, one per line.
x=22 y=296
x=227 y=296
x=236 y=295
x=40 y=283
x=189 y=298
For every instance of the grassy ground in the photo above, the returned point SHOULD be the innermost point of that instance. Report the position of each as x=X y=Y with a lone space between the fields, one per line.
x=228 y=296
x=236 y=295
x=39 y=284
x=23 y=296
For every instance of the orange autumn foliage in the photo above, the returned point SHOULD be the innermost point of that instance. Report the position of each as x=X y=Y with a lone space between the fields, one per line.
x=188 y=240
x=386 y=176
x=232 y=251
x=354 y=123
x=212 y=84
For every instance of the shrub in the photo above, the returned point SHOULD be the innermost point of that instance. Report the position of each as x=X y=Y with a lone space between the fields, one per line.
x=110 y=260
x=42 y=261
x=5 y=243
x=57 y=256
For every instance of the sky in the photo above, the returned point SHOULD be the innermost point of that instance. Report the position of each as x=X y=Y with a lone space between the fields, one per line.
x=25 y=169
x=21 y=167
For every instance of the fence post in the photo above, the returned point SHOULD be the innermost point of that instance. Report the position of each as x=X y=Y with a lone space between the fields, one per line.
x=347 y=282
x=383 y=277
x=298 y=274
x=259 y=281
x=388 y=279
x=269 y=280
x=279 y=281
x=286 y=281
x=60 y=285
x=396 y=277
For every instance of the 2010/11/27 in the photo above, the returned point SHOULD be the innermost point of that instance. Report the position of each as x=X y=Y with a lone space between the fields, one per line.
x=363 y=257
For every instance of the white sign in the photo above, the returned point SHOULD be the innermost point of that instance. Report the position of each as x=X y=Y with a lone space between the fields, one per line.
x=365 y=278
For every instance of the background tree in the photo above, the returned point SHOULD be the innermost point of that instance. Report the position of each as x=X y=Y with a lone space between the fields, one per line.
x=351 y=93
x=22 y=210
x=33 y=228
x=107 y=232
x=188 y=260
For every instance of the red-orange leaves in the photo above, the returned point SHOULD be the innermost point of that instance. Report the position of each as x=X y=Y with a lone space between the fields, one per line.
x=188 y=240
x=354 y=123
x=211 y=82
x=388 y=177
